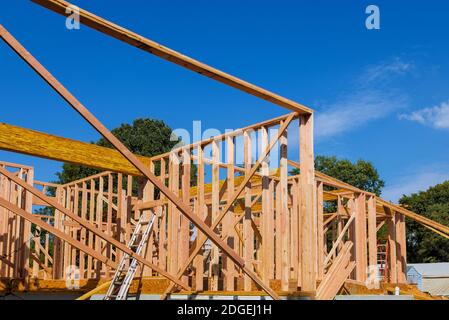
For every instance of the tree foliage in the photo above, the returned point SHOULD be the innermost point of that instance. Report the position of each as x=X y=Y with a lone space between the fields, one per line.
x=145 y=137
x=361 y=174
x=424 y=245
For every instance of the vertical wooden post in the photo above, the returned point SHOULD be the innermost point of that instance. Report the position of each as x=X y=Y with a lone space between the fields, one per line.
x=164 y=224
x=284 y=214
x=320 y=235
x=109 y=221
x=278 y=232
x=146 y=193
x=228 y=220
x=90 y=261
x=294 y=232
x=372 y=239
x=215 y=207
x=267 y=243
x=4 y=187
x=391 y=223
x=201 y=211
x=173 y=214
x=401 y=248
x=27 y=224
x=360 y=237
x=184 y=235
x=248 y=232
x=57 y=258
x=99 y=218
x=308 y=213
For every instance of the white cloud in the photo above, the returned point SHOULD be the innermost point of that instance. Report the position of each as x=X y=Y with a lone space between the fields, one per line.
x=355 y=110
x=420 y=181
x=367 y=99
x=436 y=117
x=385 y=71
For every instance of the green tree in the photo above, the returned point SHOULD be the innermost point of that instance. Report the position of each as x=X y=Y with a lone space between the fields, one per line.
x=424 y=245
x=361 y=174
x=145 y=137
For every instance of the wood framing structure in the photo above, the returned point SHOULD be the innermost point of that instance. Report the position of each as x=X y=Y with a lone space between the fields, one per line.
x=243 y=224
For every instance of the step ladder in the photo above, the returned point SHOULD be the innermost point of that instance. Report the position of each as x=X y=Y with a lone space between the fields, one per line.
x=383 y=259
x=124 y=275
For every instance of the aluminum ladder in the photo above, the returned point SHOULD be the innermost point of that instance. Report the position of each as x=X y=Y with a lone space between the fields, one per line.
x=124 y=275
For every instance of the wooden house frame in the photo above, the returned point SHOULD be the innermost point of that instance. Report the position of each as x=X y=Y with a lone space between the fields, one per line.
x=250 y=228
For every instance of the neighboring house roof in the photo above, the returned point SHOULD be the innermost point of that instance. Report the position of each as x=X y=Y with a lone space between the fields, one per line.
x=431 y=270
x=436 y=286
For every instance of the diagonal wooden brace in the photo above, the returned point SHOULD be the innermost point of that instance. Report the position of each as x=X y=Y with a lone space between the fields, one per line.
x=94 y=122
x=201 y=239
x=58 y=233
x=88 y=225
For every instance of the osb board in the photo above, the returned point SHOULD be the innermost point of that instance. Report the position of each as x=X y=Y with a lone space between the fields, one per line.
x=153 y=285
x=149 y=285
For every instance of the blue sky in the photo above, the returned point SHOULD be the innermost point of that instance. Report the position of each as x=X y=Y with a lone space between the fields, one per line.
x=379 y=95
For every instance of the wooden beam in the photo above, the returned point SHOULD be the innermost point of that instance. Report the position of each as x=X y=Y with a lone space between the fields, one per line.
x=337 y=274
x=372 y=240
x=360 y=237
x=308 y=207
x=47 y=146
x=201 y=240
x=144 y=169
x=86 y=224
x=339 y=240
x=401 y=248
x=61 y=235
x=170 y=55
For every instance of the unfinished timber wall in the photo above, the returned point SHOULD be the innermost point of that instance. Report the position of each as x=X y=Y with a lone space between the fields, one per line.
x=221 y=224
x=255 y=208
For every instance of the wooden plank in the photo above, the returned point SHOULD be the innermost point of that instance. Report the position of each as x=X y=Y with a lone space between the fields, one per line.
x=372 y=240
x=75 y=243
x=267 y=244
x=337 y=274
x=95 y=123
x=172 y=56
x=201 y=211
x=320 y=236
x=248 y=232
x=202 y=239
x=307 y=180
x=184 y=234
x=173 y=215
x=414 y=216
x=278 y=235
x=147 y=190
x=284 y=214
x=401 y=248
x=391 y=223
x=229 y=267
x=338 y=241
x=47 y=146
x=86 y=224
x=360 y=234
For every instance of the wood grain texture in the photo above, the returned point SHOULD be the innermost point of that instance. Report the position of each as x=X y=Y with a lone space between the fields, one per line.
x=48 y=146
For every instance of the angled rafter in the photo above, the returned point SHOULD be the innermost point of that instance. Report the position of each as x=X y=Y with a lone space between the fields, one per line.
x=201 y=238
x=86 y=224
x=61 y=235
x=145 y=170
